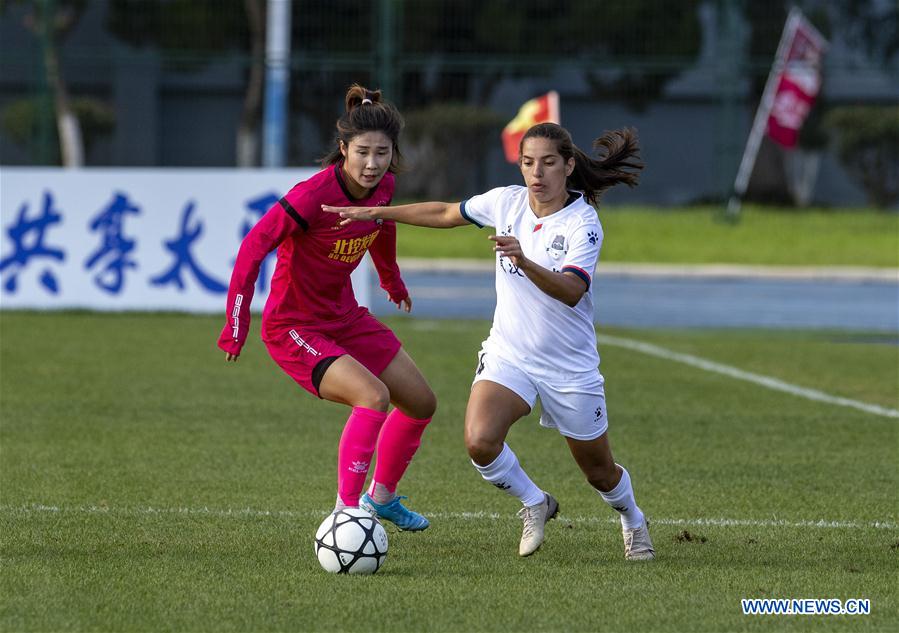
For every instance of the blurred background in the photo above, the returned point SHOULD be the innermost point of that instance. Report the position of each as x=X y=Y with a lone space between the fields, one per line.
x=180 y=83
x=148 y=485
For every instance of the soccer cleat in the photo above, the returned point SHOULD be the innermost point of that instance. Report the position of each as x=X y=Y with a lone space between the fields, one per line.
x=535 y=518
x=396 y=513
x=637 y=545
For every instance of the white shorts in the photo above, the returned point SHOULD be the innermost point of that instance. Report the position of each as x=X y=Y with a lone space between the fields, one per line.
x=576 y=410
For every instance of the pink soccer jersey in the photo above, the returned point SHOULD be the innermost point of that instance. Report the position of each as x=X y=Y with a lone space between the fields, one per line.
x=316 y=255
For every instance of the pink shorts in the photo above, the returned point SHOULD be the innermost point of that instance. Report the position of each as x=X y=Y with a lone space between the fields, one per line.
x=299 y=349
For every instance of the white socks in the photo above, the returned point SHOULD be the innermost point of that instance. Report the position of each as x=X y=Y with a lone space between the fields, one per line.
x=506 y=473
x=621 y=498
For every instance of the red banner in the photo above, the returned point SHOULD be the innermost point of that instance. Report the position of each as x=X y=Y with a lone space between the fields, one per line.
x=798 y=83
x=543 y=109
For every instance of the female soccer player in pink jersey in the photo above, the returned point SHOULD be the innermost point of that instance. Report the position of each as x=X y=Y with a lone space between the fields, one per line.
x=312 y=325
x=543 y=342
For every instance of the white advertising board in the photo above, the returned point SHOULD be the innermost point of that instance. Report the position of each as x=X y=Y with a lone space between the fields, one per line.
x=134 y=239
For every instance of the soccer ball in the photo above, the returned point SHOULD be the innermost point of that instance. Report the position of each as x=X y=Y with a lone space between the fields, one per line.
x=351 y=541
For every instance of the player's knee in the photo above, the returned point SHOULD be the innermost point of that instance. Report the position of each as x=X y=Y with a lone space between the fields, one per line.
x=374 y=396
x=427 y=405
x=482 y=449
x=420 y=404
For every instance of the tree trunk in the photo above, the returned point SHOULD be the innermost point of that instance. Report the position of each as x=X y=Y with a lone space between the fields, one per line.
x=248 y=130
x=52 y=28
x=71 y=145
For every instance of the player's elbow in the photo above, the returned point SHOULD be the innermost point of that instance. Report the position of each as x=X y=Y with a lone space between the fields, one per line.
x=573 y=293
x=571 y=288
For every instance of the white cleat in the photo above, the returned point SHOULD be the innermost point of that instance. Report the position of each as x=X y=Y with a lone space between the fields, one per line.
x=535 y=518
x=637 y=545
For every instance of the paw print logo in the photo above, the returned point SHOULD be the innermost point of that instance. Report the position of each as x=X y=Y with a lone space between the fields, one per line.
x=598 y=413
x=592 y=237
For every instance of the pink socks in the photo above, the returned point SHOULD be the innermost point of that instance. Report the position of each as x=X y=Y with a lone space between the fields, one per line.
x=400 y=438
x=357 y=445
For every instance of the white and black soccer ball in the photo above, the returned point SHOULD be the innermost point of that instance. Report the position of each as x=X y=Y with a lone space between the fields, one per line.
x=351 y=541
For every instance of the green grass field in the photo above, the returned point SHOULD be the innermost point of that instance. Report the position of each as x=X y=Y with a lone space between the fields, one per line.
x=764 y=236
x=147 y=486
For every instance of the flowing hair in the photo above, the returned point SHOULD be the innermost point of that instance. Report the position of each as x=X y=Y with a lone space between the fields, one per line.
x=617 y=161
x=366 y=112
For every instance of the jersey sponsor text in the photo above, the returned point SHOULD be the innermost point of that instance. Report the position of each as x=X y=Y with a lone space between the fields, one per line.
x=299 y=341
x=235 y=316
x=350 y=250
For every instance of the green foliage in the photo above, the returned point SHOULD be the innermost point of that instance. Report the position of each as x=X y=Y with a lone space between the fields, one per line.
x=445 y=145
x=546 y=28
x=873 y=26
x=191 y=32
x=868 y=146
x=547 y=34
x=335 y=27
x=181 y=493
x=68 y=12
x=20 y=119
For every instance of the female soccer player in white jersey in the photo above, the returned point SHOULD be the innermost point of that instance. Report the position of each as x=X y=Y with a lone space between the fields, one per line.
x=542 y=343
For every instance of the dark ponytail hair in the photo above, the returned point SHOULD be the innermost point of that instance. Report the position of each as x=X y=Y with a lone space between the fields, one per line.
x=366 y=112
x=618 y=163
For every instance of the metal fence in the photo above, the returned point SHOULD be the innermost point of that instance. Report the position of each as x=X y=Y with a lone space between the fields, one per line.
x=178 y=82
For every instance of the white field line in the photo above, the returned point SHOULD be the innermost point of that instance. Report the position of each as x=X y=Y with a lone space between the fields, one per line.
x=739 y=374
x=37 y=509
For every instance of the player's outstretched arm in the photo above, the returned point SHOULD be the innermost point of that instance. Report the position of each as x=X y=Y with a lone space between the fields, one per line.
x=438 y=215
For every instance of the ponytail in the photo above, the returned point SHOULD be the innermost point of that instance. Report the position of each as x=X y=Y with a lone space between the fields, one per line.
x=366 y=112
x=617 y=161
x=358 y=95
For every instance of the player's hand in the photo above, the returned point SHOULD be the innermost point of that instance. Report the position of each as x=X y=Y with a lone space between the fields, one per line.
x=508 y=246
x=404 y=304
x=231 y=357
x=351 y=214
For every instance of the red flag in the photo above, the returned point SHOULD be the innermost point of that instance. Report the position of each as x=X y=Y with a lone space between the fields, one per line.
x=541 y=109
x=798 y=83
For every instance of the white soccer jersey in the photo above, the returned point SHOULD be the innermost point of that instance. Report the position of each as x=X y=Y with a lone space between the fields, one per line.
x=542 y=335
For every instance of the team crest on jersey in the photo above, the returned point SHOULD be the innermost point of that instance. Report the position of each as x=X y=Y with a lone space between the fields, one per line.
x=557 y=247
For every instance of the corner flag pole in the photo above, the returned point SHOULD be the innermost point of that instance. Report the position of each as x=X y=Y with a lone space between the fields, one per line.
x=761 y=115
